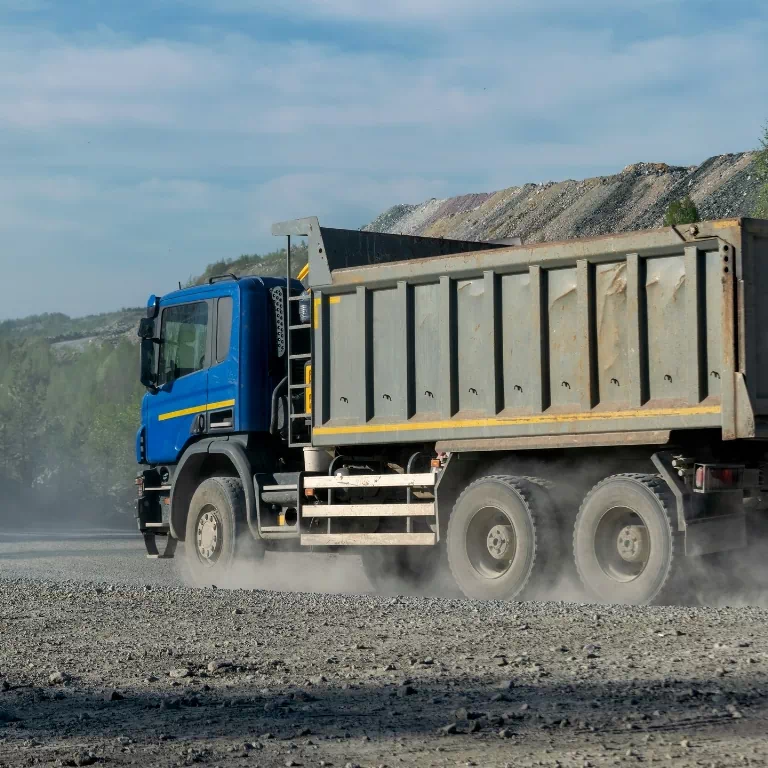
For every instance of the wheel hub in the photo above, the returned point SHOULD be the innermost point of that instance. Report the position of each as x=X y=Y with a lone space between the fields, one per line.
x=499 y=541
x=632 y=544
x=208 y=535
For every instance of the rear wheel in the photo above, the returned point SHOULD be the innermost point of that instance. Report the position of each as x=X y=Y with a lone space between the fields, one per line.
x=496 y=542
x=217 y=531
x=625 y=542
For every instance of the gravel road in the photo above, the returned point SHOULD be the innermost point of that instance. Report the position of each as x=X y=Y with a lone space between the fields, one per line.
x=118 y=558
x=106 y=659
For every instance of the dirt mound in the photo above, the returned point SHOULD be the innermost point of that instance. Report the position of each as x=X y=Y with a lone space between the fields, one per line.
x=722 y=187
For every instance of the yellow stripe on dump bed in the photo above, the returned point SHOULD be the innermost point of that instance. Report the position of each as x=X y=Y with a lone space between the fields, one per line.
x=195 y=409
x=408 y=426
x=318 y=299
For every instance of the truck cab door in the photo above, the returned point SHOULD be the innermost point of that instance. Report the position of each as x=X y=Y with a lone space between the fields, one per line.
x=223 y=374
x=176 y=412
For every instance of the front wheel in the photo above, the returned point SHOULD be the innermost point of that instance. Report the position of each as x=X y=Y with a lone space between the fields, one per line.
x=625 y=544
x=217 y=531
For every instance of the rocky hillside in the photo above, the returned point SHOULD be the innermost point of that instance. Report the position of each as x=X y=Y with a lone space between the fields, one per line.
x=69 y=336
x=722 y=187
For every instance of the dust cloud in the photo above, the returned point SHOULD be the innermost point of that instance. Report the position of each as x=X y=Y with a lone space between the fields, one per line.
x=730 y=579
x=285 y=571
x=56 y=506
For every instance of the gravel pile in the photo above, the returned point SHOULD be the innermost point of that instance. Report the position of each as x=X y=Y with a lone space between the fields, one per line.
x=115 y=674
x=722 y=187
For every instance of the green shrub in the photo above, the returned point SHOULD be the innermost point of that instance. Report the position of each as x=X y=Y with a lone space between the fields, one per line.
x=681 y=211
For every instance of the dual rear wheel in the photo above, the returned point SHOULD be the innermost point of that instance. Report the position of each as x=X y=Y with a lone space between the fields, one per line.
x=502 y=538
x=504 y=541
x=625 y=543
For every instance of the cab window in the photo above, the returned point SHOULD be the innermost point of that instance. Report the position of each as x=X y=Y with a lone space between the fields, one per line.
x=223 y=327
x=184 y=338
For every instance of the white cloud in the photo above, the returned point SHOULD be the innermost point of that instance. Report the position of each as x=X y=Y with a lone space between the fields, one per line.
x=239 y=86
x=236 y=87
x=63 y=84
x=435 y=12
x=148 y=159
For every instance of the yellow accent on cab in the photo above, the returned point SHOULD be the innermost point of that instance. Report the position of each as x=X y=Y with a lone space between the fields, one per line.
x=518 y=421
x=195 y=409
x=304 y=272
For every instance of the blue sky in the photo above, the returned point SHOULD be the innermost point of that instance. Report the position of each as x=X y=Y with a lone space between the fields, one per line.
x=141 y=140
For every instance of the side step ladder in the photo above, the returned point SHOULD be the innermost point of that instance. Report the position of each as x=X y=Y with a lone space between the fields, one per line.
x=299 y=352
x=299 y=356
x=408 y=510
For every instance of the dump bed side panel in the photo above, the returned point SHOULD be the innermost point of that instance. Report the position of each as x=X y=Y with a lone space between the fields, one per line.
x=754 y=311
x=613 y=335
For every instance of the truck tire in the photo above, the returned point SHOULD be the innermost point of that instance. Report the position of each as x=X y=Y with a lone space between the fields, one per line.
x=217 y=531
x=495 y=546
x=392 y=567
x=625 y=542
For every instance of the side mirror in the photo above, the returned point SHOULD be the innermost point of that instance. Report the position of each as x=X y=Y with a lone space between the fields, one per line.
x=146 y=327
x=153 y=306
x=148 y=376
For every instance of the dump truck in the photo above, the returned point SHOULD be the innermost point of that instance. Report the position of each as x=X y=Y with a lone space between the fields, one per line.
x=508 y=410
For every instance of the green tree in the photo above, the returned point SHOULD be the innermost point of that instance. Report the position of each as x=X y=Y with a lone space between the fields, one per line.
x=6 y=464
x=682 y=211
x=110 y=451
x=761 y=169
x=27 y=382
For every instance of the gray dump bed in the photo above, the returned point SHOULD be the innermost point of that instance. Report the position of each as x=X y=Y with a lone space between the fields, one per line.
x=600 y=341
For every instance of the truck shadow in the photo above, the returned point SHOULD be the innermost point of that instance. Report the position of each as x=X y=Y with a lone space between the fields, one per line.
x=63 y=716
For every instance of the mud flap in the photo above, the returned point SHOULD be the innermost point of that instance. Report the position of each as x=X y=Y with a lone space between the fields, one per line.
x=153 y=553
x=715 y=534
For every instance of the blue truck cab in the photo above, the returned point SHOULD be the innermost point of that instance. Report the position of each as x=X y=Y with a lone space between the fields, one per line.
x=211 y=359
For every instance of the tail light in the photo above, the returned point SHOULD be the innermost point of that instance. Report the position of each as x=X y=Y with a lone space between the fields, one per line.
x=718 y=477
